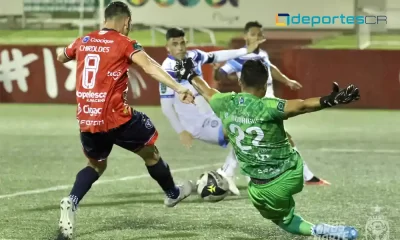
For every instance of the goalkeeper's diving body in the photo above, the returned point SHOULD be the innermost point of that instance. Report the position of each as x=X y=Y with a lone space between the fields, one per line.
x=254 y=126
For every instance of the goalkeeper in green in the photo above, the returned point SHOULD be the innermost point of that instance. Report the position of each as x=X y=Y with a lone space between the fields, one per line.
x=254 y=126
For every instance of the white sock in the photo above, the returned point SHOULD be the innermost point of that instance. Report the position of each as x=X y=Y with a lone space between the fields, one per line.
x=230 y=164
x=307 y=174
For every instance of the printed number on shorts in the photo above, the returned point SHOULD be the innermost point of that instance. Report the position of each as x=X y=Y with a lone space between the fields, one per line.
x=241 y=134
x=92 y=62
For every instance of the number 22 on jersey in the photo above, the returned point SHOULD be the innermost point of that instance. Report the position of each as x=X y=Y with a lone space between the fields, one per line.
x=235 y=129
x=90 y=69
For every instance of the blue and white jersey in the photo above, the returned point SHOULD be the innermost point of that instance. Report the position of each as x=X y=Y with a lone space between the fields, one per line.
x=236 y=65
x=190 y=116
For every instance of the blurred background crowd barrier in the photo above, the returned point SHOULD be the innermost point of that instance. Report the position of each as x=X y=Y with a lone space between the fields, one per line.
x=32 y=31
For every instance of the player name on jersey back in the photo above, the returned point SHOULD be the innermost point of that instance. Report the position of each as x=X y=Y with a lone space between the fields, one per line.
x=255 y=129
x=102 y=58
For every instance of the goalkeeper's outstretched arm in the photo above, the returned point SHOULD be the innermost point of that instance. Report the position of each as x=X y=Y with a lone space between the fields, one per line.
x=298 y=106
x=343 y=96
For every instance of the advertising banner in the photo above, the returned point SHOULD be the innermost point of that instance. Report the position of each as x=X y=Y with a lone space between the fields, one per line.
x=375 y=72
x=32 y=74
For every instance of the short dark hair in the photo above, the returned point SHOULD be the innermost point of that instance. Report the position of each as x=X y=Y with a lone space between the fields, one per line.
x=252 y=24
x=174 y=33
x=117 y=9
x=254 y=73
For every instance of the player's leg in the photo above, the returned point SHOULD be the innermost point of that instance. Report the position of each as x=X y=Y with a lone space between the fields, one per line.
x=96 y=147
x=309 y=177
x=139 y=136
x=212 y=132
x=275 y=202
x=228 y=170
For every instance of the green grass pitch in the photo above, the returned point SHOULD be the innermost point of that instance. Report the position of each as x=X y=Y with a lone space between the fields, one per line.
x=65 y=37
x=40 y=154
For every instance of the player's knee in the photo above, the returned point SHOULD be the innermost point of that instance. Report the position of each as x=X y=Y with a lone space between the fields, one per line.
x=150 y=155
x=99 y=166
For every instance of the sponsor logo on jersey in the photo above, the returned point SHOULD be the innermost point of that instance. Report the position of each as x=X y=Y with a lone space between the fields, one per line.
x=214 y=123
x=137 y=46
x=85 y=39
x=163 y=88
x=92 y=111
x=92 y=96
x=211 y=57
x=105 y=41
x=115 y=75
x=280 y=106
x=241 y=100
x=148 y=124
x=91 y=122
x=97 y=49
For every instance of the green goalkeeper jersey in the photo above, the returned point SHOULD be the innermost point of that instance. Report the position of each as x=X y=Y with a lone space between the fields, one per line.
x=255 y=129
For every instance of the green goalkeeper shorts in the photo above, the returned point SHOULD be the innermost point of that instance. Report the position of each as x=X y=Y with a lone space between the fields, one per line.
x=274 y=200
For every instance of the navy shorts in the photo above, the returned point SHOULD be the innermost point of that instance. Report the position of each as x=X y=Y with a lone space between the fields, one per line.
x=133 y=135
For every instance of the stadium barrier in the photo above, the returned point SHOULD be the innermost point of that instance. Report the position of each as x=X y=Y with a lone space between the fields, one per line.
x=31 y=74
x=376 y=72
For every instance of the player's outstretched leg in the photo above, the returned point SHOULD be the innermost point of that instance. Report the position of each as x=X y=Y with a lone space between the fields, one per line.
x=299 y=226
x=309 y=177
x=97 y=147
x=228 y=172
x=274 y=200
x=159 y=171
x=83 y=182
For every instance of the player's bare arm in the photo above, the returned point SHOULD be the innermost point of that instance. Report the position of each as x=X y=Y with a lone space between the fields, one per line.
x=151 y=67
x=277 y=75
x=61 y=57
x=343 y=96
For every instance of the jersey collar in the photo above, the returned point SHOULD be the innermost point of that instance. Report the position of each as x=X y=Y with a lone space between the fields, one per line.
x=173 y=58
x=108 y=29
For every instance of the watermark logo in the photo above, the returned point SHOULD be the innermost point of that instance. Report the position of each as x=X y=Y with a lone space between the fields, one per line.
x=377 y=227
x=285 y=19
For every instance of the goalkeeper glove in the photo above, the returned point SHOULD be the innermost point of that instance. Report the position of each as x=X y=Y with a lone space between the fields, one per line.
x=344 y=96
x=185 y=70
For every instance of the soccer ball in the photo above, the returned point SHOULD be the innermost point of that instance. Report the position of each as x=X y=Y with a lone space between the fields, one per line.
x=212 y=187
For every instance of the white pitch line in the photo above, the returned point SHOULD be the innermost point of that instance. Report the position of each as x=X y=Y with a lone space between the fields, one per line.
x=63 y=187
x=344 y=150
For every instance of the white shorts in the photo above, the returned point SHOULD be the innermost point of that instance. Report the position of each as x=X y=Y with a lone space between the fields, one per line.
x=211 y=131
x=270 y=93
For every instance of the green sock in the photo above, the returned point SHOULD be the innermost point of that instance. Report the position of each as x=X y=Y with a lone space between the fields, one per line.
x=297 y=226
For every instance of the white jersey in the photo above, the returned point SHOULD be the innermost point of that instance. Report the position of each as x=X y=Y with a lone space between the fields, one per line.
x=236 y=65
x=190 y=117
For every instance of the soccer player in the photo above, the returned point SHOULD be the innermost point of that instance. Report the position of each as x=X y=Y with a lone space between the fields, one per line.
x=255 y=128
x=253 y=31
x=103 y=114
x=196 y=121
